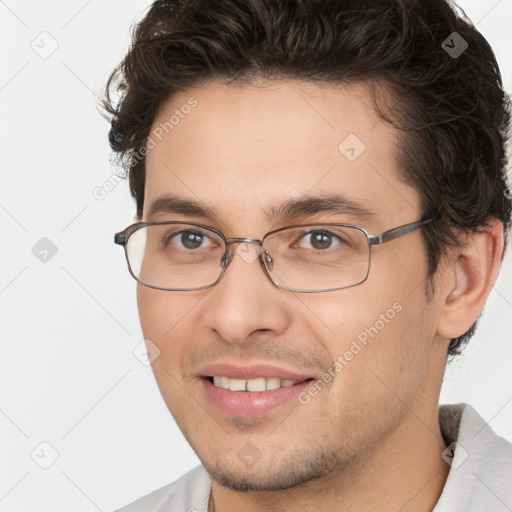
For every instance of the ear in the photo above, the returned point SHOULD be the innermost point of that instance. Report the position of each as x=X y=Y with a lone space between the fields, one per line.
x=470 y=275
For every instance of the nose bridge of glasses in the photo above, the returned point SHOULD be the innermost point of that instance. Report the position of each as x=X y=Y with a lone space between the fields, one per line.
x=249 y=249
x=249 y=240
x=244 y=244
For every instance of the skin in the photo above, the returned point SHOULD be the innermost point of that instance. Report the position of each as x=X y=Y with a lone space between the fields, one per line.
x=370 y=440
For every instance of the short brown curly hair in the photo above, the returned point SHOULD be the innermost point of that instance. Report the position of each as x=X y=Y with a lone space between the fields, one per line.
x=452 y=109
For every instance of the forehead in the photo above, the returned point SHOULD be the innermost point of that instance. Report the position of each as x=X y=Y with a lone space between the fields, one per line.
x=244 y=149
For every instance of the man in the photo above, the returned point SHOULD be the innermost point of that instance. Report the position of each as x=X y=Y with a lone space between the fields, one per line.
x=323 y=212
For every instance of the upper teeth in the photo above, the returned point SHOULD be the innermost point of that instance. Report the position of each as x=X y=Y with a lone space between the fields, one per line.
x=259 y=384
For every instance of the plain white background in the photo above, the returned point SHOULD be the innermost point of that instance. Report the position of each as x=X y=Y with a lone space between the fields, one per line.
x=68 y=374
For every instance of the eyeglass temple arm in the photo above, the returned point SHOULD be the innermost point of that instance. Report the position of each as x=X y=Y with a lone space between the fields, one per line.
x=399 y=231
x=119 y=239
x=122 y=237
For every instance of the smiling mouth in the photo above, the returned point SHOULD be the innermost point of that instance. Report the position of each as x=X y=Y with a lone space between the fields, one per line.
x=253 y=385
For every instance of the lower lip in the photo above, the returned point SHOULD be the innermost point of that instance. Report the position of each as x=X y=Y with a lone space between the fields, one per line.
x=251 y=404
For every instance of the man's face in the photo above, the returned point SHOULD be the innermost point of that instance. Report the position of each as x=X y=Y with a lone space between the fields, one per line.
x=241 y=152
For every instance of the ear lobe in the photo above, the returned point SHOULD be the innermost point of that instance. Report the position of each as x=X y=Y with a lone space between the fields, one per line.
x=472 y=274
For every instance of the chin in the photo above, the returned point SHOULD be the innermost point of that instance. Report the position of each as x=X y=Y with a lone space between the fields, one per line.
x=297 y=469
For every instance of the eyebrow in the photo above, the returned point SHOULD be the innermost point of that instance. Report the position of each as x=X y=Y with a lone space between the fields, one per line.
x=175 y=204
x=285 y=212
x=311 y=205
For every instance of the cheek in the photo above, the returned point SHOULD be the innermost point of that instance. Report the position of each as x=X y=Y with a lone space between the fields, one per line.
x=374 y=338
x=379 y=347
x=163 y=313
x=170 y=320
x=360 y=313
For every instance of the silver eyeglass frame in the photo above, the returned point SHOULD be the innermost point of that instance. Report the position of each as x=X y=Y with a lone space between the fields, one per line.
x=122 y=237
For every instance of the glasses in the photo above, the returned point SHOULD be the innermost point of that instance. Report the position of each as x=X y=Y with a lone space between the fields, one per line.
x=186 y=256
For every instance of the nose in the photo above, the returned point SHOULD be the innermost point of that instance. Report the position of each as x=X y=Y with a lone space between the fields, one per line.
x=245 y=301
